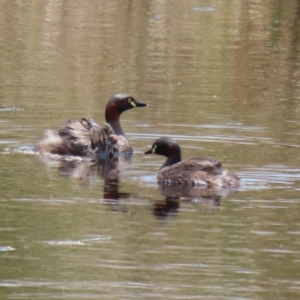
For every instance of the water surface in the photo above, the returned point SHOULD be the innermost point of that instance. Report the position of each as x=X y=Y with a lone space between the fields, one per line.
x=220 y=77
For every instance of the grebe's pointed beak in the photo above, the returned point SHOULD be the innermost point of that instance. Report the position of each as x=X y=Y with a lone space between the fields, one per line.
x=140 y=104
x=148 y=152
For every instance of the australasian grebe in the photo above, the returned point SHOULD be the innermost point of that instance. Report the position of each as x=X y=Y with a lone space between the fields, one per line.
x=195 y=171
x=85 y=137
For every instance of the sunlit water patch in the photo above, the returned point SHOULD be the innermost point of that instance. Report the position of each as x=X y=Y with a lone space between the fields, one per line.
x=6 y=248
x=203 y=9
x=8 y=108
x=66 y=243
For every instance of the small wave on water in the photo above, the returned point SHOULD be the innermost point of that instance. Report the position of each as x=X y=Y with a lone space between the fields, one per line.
x=22 y=150
x=227 y=133
x=83 y=242
x=271 y=176
x=30 y=150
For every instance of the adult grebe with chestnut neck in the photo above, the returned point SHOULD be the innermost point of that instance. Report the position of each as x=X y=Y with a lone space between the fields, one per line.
x=86 y=138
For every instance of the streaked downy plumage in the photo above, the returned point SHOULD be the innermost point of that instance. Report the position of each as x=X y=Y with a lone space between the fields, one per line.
x=195 y=171
x=105 y=140
x=86 y=138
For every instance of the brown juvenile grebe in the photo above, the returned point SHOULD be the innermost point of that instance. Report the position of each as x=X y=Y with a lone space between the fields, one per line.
x=85 y=137
x=195 y=171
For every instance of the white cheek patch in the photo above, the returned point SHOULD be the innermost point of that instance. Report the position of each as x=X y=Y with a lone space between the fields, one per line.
x=133 y=104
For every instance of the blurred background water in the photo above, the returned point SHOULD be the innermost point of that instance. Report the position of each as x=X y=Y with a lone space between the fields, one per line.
x=220 y=77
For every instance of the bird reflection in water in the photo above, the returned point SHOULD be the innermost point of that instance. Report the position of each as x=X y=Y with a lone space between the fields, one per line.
x=206 y=197
x=166 y=208
x=108 y=169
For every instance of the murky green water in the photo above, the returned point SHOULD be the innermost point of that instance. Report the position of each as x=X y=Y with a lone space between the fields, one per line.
x=222 y=78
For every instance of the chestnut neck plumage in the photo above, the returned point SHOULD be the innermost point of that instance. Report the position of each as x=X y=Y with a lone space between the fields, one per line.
x=112 y=117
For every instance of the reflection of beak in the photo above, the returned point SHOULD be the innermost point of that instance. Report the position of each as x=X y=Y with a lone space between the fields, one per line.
x=140 y=104
x=148 y=152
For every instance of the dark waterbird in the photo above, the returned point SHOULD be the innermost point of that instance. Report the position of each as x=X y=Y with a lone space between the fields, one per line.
x=193 y=172
x=86 y=138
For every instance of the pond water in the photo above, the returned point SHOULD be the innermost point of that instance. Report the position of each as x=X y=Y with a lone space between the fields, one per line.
x=220 y=77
